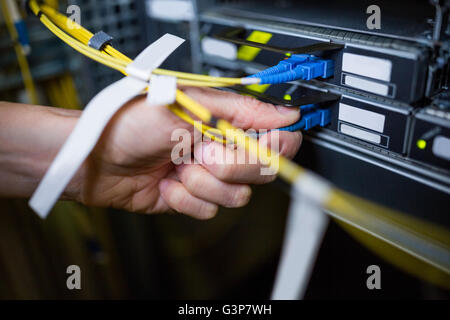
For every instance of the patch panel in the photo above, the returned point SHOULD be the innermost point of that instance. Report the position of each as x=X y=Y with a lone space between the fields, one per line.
x=367 y=121
x=381 y=126
x=382 y=79
x=393 y=69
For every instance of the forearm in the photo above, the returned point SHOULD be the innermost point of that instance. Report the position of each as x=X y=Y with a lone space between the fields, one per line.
x=30 y=137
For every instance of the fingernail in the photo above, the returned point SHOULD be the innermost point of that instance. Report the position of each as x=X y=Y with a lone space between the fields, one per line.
x=288 y=111
x=209 y=211
x=243 y=196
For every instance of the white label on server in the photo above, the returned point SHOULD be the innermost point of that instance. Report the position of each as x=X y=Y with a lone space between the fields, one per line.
x=441 y=147
x=371 y=67
x=170 y=9
x=360 y=134
x=366 y=85
x=363 y=118
x=219 y=48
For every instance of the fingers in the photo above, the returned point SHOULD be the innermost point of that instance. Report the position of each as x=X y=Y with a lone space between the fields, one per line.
x=243 y=111
x=289 y=142
x=233 y=166
x=239 y=166
x=178 y=198
x=202 y=184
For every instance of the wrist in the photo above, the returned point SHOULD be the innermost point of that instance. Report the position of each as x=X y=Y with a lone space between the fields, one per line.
x=31 y=136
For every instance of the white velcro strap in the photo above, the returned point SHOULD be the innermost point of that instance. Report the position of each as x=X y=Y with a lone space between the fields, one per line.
x=94 y=119
x=153 y=56
x=305 y=229
x=313 y=187
x=81 y=141
x=162 y=90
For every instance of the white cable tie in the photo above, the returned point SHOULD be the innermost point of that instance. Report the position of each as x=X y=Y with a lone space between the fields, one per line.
x=305 y=228
x=312 y=186
x=153 y=56
x=81 y=141
x=162 y=90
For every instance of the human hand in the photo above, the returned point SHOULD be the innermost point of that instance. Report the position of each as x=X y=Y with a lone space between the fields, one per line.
x=131 y=167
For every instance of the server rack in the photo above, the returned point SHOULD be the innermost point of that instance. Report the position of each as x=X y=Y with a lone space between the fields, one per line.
x=381 y=127
x=388 y=137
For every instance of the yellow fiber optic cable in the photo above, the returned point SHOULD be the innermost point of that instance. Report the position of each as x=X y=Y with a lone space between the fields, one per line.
x=96 y=55
x=52 y=3
x=212 y=133
x=83 y=35
x=71 y=91
x=27 y=78
x=68 y=91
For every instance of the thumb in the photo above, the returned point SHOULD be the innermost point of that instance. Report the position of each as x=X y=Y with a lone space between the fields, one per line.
x=243 y=111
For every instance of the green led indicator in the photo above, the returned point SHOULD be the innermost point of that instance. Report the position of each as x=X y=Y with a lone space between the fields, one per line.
x=287 y=97
x=421 y=144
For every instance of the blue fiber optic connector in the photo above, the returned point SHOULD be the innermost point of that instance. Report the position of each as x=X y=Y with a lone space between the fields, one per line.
x=317 y=117
x=283 y=66
x=297 y=67
x=22 y=35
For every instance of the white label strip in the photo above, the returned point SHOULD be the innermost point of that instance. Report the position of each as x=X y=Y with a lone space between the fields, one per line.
x=153 y=56
x=371 y=67
x=441 y=147
x=81 y=141
x=219 y=48
x=363 y=118
x=306 y=226
x=162 y=90
x=360 y=134
x=366 y=85
x=170 y=9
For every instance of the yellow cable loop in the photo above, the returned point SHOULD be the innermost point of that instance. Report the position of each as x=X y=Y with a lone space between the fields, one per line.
x=83 y=35
x=348 y=209
x=206 y=130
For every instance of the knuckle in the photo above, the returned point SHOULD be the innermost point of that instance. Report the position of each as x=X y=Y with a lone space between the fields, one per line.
x=194 y=180
x=225 y=172
x=179 y=200
x=249 y=102
x=247 y=108
x=254 y=105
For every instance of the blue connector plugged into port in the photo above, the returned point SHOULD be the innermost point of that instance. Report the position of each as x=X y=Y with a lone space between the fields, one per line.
x=297 y=67
x=314 y=118
x=283 y=66
x=301 y=67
